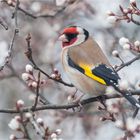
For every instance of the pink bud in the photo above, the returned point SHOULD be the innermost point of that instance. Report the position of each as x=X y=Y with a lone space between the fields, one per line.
x=29 y=68
x=25 y=76
x=40 y=121
x=20 y=104
x=34 y=84
x=53 y=76
x=12 y=137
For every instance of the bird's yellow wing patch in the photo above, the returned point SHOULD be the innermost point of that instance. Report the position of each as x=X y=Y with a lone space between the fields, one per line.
x=88 y=72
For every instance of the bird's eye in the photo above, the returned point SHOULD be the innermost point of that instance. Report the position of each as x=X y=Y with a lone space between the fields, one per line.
x=71 y=36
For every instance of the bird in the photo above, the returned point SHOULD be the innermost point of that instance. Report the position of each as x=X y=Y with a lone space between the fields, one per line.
x=86 y=65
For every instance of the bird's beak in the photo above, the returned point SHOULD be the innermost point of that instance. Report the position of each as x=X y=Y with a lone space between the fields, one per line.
x=63 y=38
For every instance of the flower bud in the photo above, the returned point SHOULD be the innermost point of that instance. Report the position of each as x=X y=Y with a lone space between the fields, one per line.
x=55 y=71
x=125 y=11
x=53 y=76
x=20 y=103
x=110 y=13
x=133 y=2
x=14 y=124
x=115 y=53
x=40 y=121
x=58 y=131
x=36 y=6
x=28 y=115
x=137 y=43
x=12 y=137
x=126 y=46
x=29 y=68
x=34 y=84
x=123 y=41
x=25 y=76
x=131 y=124
x=60 y=2
x=119 y=124
x=53 y=135
x=10 y=2
x=111 y=19
x=18 y=118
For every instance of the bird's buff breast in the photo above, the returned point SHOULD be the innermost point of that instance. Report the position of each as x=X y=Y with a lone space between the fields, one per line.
x=79 y=80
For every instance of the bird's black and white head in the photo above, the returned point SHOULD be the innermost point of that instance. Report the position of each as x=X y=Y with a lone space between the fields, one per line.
x=73 y=36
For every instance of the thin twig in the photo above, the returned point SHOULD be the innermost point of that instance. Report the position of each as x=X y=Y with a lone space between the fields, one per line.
x=37 y=91
x=2 y=23
x=24 y=126
x=137 y=110
x=128 y=63
x=14 y=15
x=134 y=21
x=67 y=106
x=7 y=58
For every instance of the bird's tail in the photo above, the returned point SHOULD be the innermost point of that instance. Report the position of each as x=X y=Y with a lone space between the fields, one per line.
x=129 y=97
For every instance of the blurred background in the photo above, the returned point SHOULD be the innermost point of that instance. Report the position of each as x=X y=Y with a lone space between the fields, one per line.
x=89 y=14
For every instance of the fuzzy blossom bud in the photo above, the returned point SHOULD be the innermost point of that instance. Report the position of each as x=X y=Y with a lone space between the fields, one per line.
x=58 y=131
x=14 y=124
x=40 y=121
x=110 y=13
x=123 y=84
x=29 y=68
x=102 y=119
x=111 y=19
x=115 y=53
x=53 y=135
x=28 y=115
x=112 y=105
x=12 y=137
x=53 y=76
x=56 y=71
x=133 y=2
x=131 y=124
x=126 y=46
x=20 y=103
x=60 y=2
x=70 y=98
x=34 y=84
x=18 y=118
x=36 y=6
x=9 y=2
x=125 y=11
x=123 y=41
x=137 y=43
x=25 y=76
x=119 y=124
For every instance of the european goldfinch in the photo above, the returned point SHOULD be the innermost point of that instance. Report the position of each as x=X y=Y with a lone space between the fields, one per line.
x=86 y=65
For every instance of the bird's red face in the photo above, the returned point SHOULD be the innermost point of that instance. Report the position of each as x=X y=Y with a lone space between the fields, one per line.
x=73 y=36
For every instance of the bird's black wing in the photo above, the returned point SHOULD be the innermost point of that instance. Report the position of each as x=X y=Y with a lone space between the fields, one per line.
x=107 y=74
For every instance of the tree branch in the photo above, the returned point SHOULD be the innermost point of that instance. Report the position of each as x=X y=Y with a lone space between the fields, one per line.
x=68 y=106
x=128 y=63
